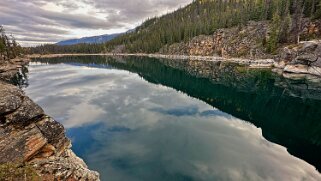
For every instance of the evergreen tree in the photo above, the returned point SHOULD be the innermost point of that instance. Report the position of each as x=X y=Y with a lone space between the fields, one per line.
x=274 y=34
x=2 y=44
x=9 y=48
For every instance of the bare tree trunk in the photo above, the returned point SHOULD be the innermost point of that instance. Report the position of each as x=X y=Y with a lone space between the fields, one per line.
x=312 y=8
x=298 y=16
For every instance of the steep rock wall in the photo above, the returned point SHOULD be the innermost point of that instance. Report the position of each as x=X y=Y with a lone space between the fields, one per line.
x=243 y=41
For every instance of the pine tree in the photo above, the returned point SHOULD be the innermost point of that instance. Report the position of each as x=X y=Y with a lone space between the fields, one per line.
x=2 y=44
x=274 y=34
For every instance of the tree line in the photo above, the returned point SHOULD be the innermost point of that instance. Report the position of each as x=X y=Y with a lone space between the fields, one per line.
x=66 y=49
x=204 y=17
x=9 y=48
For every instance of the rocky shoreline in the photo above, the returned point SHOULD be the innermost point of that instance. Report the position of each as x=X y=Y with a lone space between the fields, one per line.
x=304 y=58
x=31 y=139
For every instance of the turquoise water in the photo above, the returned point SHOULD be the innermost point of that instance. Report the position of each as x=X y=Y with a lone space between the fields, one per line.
x=155 y=119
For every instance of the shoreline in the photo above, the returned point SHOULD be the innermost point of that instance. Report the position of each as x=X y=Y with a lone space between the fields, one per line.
x=193 y=57
x=30 y=139
x=255 y=63
x=295 y=69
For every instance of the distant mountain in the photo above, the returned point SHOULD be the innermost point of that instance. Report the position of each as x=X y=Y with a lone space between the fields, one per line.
x=90 y=40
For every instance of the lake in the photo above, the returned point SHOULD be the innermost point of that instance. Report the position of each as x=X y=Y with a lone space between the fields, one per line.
x=137 y=119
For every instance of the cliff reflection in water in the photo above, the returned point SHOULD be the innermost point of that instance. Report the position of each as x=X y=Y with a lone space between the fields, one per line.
x=288 y=111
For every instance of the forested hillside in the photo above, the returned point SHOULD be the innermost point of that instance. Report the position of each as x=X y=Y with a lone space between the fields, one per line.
x=9 y=48
x=204 y=17
x=65 y=49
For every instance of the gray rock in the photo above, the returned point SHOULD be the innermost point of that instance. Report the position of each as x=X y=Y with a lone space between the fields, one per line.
x=317 y=63
x=299 y=69
x=27 y=113
x=308 y=47
x=65 y=167
x=10 y=98
x=314 y=70
x=54 y=132
x=317 y=51
x=305 y=59
x=287 y=54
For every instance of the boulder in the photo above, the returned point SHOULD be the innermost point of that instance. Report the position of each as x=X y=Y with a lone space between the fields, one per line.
x=317 y=63
x=27 y=113
x=10 y=98
x=287 y=54
x=308 y=47
x=314 y=70
x=299 y=69
x=317 y=51
x=305 y=59
x=65 y=167
x=280 y=64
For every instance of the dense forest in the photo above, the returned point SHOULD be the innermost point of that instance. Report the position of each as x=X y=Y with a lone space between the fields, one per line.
x=65 y=49
x=9 y=48
x=204 y=17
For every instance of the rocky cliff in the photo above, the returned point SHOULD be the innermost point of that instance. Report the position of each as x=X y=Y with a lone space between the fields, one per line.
x=33 y=146
x=244 y=42
x=241 y=41
x=304 y=58
x=249 y=41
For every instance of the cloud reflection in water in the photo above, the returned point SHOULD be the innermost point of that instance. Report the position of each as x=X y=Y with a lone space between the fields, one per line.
x=129 y=129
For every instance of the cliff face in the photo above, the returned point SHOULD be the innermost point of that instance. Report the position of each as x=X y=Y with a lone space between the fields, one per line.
x=304 y=58
x=244 y=42
x=248 y=42
x=28 y=137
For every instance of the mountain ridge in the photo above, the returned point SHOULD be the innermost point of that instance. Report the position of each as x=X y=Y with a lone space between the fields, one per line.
x=89 y=40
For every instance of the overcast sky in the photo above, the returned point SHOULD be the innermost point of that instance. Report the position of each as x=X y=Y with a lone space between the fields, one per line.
x=35 y=22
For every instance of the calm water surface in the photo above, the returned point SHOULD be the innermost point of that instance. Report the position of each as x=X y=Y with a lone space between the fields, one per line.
x=151 y=119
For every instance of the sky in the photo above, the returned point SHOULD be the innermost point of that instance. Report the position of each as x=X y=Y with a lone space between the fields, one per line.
x=35 y=22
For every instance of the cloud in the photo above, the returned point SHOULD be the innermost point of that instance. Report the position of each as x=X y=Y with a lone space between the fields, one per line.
x=31 y=21
x=122 y=125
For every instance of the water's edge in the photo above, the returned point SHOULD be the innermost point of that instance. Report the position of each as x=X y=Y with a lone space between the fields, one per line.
x=30 y=138
x=238 y=92
x=296 y=61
